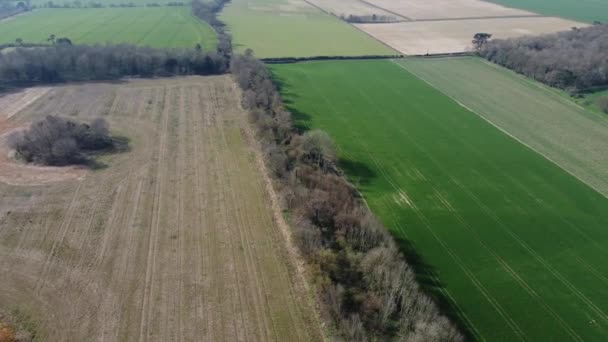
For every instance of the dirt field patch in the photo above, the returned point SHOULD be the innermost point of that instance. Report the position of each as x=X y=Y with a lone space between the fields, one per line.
x=439 y=9
x=433 y=37
x=172 y=241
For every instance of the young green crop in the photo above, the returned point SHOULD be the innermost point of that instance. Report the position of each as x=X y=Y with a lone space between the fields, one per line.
x=543 y=118
x=512 y=243
x=162 y=27
x=281 y=28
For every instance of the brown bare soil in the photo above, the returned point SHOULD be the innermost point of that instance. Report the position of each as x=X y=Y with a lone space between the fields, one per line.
x=173 y=240
x=448 y=36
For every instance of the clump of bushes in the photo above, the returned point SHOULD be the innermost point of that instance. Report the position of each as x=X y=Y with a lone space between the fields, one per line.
x=59 y=141
x=367 y=289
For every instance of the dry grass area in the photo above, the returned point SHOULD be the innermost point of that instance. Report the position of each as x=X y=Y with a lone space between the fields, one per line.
x=433 y=37
x=171 y=241
x=443 y=9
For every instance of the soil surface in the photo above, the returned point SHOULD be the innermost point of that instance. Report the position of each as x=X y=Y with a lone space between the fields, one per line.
x=174 y=240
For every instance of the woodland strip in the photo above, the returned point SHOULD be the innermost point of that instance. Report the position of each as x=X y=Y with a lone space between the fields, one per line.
x=367 y=289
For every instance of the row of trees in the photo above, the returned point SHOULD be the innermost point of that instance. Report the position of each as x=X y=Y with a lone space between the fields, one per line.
x=208 y=11
x=367 y=288
x=575 y=60
x=370 y=18
x=59 y=141
x=64 y=62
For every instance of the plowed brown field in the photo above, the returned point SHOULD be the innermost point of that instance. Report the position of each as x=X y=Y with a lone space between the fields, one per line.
x=171 y=241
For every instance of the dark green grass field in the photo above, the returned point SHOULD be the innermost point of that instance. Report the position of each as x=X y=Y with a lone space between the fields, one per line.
x=162 y=27
x=582 y=10
x=514 y=245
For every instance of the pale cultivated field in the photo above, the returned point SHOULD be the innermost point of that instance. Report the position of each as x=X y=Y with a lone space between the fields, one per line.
x=432 y=37
x=441 y=9
x=352 y=7
x=173 y=240
x=538 y=116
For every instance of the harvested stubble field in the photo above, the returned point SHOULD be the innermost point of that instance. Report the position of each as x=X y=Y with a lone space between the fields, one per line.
x=582 y=10
x=540 y=117
x=162 y=27
x=447 y=36
x=293 y=28
x=514 y=244
x=447 y=9
x=172 y=240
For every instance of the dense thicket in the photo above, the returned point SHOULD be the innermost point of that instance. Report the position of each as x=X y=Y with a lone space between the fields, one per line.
x=59 y=141
x=575 y=60
x=208 y=11
x=62 y=62
x=368 y=289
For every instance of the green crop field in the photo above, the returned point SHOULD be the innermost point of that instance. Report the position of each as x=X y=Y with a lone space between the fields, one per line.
x=582 y=10
x=543 y=118
x=171 y=27
x=515 y=245
x=105 y=3
x=292 y=28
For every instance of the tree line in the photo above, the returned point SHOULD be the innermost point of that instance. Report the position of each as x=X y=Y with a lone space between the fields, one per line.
x=64 y=62
x=575 y=60
x=369 y=19
x=366 y=287
x=208 y=11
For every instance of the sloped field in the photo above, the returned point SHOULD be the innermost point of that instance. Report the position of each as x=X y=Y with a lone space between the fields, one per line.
x=514 y=244
x=162 y=27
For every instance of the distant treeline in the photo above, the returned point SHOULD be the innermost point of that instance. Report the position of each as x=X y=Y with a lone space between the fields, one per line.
x=287 y=60
x=62 y=62
x=368 y=19
x=367 y=289
x=576 y=60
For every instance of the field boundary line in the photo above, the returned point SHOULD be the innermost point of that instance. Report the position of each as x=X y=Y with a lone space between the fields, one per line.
x=351 y=25
x=480 y=18
x=536 y=255
x=504 y=131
